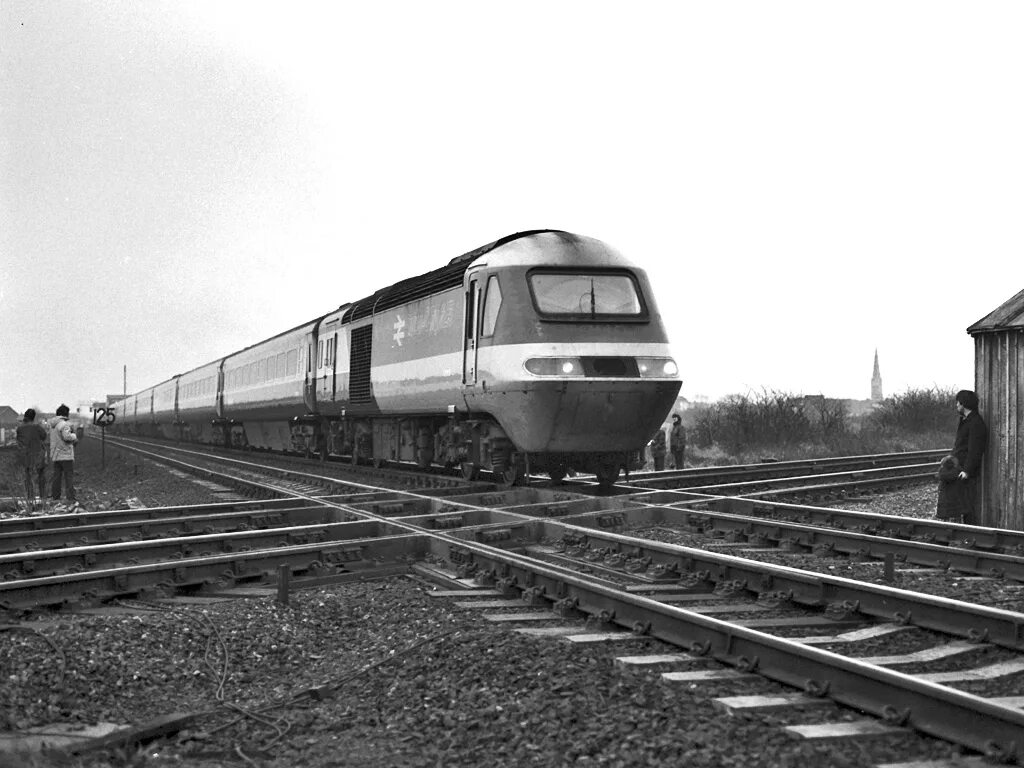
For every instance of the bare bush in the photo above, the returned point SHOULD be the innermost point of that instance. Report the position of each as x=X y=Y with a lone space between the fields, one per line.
x=915 y=412
x=787 y=426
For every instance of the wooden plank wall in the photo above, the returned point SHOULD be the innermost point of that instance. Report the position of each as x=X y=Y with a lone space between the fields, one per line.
x=999 y=382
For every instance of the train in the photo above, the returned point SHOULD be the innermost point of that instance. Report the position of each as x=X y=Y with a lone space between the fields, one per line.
x=541 y=352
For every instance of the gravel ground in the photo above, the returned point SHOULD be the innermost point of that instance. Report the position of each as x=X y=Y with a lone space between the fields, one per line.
x=412 y=680
x=106 y=478
x=416 y=682
x=913 y=502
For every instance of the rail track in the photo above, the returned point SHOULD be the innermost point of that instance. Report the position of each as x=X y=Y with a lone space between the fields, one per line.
x=737 y=583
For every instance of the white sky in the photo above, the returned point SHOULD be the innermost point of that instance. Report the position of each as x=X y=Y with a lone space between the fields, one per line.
x=805 y=182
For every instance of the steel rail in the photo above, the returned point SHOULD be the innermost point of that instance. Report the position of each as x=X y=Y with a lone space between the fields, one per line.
x=809 y=537
x=953 y=617
x=927 y=529
x=13 y=525
x=204 y=571
x=420 y=480
x=183 y=525
x=928 y=707
x=99 y=556
x=767 y=470
x=834 y=480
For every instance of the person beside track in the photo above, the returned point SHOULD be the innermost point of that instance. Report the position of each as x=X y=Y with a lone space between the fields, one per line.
x=32 y=449
x=968 y=449
x=62 y=454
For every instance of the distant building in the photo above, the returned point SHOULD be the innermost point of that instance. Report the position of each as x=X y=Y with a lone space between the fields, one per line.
x=681 y=404
x=876 y=383
x=9 y=421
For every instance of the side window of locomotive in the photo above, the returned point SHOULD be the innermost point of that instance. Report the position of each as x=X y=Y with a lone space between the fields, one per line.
x=492 y=303
x=585 y=296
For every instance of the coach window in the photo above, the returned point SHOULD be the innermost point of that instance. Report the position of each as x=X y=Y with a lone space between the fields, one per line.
x=492 y=303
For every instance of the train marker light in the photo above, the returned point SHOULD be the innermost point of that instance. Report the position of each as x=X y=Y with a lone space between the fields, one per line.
x=555 y=366
x=657 y=367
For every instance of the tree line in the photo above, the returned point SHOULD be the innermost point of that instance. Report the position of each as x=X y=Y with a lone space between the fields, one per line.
x=785 y=425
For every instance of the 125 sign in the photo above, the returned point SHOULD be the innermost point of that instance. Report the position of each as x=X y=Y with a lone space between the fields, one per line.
x=103 y=417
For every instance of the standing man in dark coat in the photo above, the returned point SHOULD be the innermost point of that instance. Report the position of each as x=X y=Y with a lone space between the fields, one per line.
x=969 y=447
x=33 y=450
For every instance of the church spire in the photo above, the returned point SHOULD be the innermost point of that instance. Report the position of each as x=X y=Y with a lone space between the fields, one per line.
x=876 y=382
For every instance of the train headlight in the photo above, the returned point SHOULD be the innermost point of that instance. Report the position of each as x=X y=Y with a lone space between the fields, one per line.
x=657 y=367
x=555 y=366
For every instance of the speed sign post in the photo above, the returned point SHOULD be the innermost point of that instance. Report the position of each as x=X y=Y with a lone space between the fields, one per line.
x=103 y=418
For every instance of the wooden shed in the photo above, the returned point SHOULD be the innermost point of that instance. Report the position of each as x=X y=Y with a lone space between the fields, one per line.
x=999 y=382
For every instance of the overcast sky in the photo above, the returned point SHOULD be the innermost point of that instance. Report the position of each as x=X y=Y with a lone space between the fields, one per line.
x=804 y=182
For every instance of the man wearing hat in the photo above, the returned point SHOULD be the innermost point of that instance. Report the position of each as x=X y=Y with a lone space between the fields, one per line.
x=62 y=454
x=968 y=448
x=32 y=448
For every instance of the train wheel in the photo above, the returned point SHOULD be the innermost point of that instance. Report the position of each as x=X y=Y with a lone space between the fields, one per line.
x=470 y=471
x=607 y=473
x=513 y=472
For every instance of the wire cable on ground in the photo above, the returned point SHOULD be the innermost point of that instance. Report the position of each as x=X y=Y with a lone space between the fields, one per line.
x=58 y=651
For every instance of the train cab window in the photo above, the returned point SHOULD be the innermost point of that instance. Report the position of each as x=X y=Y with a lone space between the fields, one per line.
x=586 y=296
x=492 y=303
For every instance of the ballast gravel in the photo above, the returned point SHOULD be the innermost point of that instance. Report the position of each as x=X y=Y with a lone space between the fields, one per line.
x=406 y=680
x=375 y=674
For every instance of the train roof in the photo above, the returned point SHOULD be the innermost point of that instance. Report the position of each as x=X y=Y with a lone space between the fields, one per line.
x=1009 y=314
x=448 y=276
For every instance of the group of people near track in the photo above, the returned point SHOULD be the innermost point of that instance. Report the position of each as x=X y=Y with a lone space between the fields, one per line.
x=48 y=445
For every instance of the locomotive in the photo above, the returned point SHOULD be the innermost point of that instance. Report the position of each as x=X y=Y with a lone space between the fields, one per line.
x=540 y=352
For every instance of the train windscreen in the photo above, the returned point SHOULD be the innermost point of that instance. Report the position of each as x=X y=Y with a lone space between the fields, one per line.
x=585 y=296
